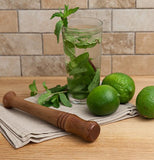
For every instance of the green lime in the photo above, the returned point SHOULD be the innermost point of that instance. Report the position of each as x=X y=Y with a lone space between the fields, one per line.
x=145 y=102
x=123 y=83
x=103 y=100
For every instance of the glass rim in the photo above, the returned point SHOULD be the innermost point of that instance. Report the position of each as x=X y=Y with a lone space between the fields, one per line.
x=97 y=26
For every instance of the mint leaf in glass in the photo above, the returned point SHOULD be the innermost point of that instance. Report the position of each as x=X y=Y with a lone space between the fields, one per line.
x=69 y=49
x=95 y=82
x=58 y=29
x=57 y=14
x=71 y=11
x=63 y=21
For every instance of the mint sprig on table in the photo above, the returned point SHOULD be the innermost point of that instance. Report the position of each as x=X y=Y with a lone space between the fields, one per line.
x=53 y=96
x=33 y=89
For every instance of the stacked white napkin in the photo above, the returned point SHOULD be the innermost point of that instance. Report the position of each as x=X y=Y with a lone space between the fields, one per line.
x=20 y=128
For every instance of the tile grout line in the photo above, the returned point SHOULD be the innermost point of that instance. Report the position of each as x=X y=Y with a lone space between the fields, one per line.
x=137 y=54
x=18 y=21
x=40 y=4
x=111 y=63
x=38 y=55
x=21 y=66
x=61 y=55
x=43 y=9
x=26 y=32
x=53 y=32
x=135 y=43
x=135 y=4
x=112 y=20
x=87 y=4
x=42 y=44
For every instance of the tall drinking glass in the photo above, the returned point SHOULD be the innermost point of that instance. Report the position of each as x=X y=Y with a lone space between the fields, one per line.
x=82 y=46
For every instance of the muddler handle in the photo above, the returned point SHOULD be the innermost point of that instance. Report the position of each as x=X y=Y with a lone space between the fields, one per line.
x=88 y=130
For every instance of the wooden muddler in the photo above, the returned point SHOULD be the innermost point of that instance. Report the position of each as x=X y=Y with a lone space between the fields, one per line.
x=88 y=130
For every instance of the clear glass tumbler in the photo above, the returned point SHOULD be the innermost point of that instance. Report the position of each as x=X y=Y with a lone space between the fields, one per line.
x=82 y=46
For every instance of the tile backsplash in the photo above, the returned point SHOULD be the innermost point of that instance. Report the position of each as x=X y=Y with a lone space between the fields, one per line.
x=28 y=45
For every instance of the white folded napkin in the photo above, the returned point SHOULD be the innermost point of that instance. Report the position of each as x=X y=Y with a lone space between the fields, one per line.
x=20 y=128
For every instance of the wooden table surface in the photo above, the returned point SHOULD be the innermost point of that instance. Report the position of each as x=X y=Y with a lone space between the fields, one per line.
x=131 y=139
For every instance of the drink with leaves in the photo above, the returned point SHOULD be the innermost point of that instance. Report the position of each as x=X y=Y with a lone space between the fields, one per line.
x=82 y=47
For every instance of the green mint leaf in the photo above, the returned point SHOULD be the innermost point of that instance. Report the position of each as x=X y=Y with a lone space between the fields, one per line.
x=54 y=98
x=58 y=29
x=52 y=101
x=56 y=105
x=77 y=71
x=47 y=104
x=85 y=41
x=85 y=37
x=79 y=61
x=55 y=89
x=65 y=21
x=66 y=10
x=71 y=11
x=79 y=96
x=75 y=86
x=80 y=64
x=64 y=100
x=91 y=69
x=78 y=84
x=57 y=14
x=85 y=45
x=98 y=40
x=44 y=85
x=33 y=88
x=58 y=88
x=55 y=101
x=91 y=63
x=44 y=97
x=69 y=38
x=65 y=16
x=95 y=82
x=69 y=49
x=82 y=71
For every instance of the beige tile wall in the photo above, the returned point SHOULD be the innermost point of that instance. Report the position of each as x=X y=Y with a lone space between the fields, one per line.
x=28 y=45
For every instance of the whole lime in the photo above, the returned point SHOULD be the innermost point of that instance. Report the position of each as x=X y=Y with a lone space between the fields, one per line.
x=103 y=100
x=145 y=102
x=123 y=83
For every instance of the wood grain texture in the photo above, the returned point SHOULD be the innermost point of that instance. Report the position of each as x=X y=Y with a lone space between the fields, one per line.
x=124 y=140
